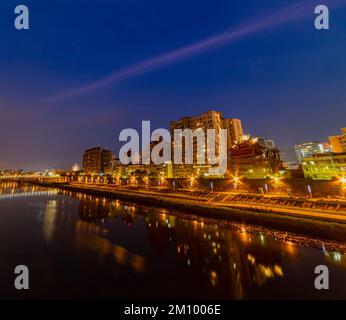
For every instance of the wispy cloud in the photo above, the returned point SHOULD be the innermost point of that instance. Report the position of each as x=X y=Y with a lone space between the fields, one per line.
x=288 y=14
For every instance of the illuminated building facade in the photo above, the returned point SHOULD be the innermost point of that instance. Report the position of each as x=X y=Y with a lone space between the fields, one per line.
x=308 y=149
x=97 y=160
x=208 y=120
x=339 y=142
x=252 y=159
x=235 y=130
x=324 y=166
x=116 y=166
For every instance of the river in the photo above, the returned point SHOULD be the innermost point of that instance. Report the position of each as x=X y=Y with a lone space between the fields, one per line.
x=84 y=247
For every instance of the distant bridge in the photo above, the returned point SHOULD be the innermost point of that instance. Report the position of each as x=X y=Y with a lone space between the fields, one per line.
x=28 y=194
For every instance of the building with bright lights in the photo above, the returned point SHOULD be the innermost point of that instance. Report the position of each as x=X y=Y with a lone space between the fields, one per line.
x=208 y=120
x=253 y=159
x=324 y=166
x=235 y=130
x=308 y=149
x=97 y=160
x=339 y=142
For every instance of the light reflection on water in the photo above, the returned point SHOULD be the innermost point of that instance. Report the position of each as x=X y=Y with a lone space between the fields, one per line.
x=80 y=246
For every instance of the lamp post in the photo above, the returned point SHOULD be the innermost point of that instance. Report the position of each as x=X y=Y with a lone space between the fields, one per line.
x=192 y=181
x=343 y=185
x=276 y=182
x=162 y=179
x=236 y=181
x=146 y=181
x=310 y=191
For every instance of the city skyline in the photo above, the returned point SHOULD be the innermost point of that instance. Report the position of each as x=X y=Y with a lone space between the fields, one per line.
x=287 y=73
x=244 y=136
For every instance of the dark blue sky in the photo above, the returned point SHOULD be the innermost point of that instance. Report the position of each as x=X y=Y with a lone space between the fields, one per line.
x=285 y=80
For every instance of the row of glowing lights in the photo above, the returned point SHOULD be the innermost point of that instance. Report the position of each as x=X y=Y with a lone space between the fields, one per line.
x=34 y=175
x=192 y=179
x=235 y=178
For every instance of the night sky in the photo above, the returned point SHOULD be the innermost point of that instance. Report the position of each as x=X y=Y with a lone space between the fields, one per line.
x=88 y=69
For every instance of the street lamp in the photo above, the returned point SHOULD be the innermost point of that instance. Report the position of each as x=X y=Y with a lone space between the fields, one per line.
x=162 y=179
x=310 y=191
x=192 y=180
x=276 y=182
x=236 y=181
x=146 y=181
x=343 y=185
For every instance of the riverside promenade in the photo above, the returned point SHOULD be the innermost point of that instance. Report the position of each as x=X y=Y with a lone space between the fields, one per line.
x=322 y=218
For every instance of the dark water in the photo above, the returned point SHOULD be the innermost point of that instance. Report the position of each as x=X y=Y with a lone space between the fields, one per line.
x=77 y=246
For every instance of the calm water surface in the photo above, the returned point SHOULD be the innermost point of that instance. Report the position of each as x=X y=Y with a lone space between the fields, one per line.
x=78 y=246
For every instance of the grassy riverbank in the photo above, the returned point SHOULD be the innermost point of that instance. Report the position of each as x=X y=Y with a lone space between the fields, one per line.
x=322 y=228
